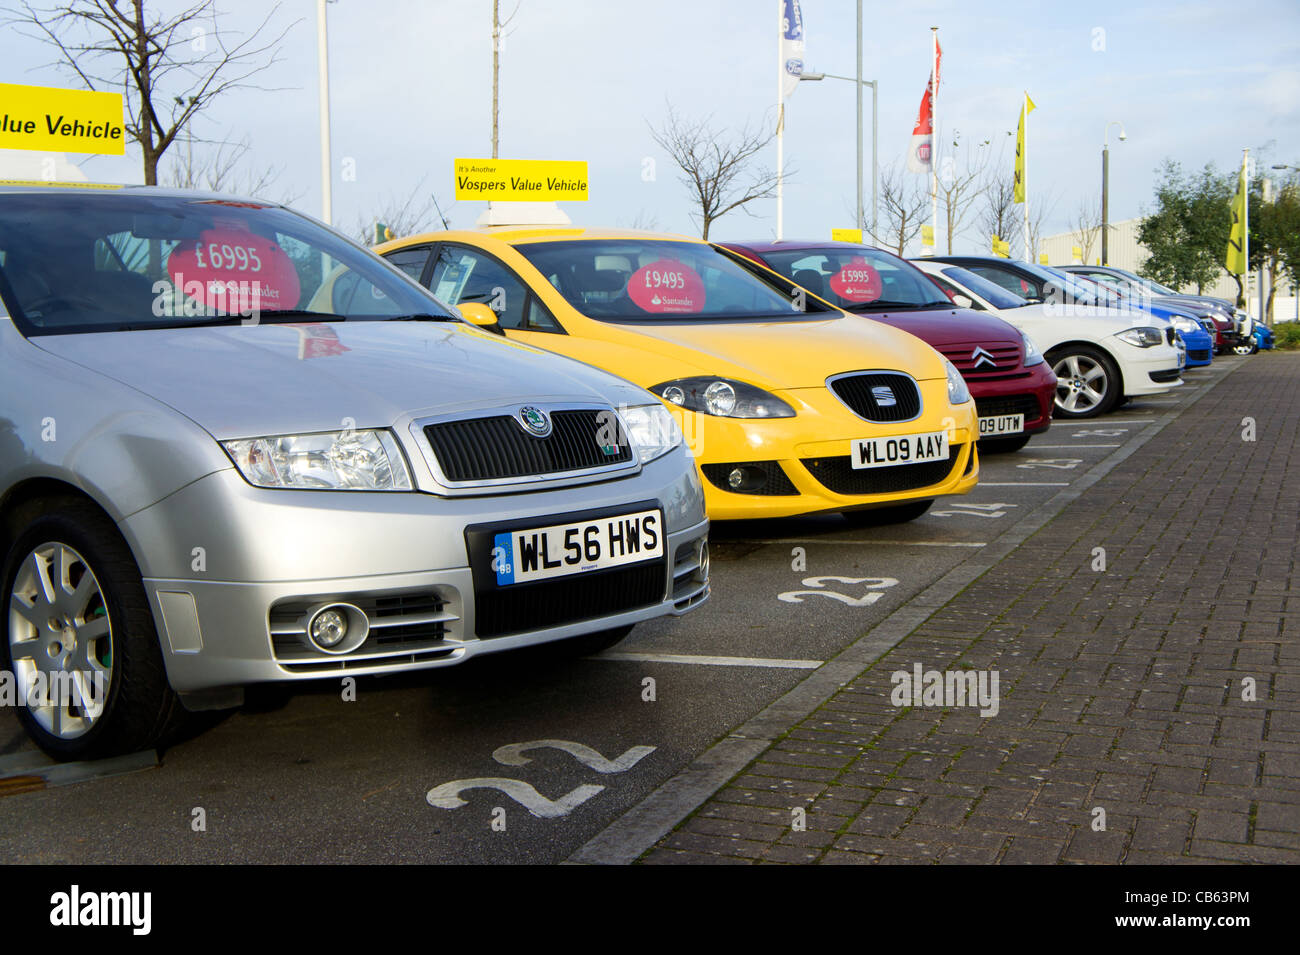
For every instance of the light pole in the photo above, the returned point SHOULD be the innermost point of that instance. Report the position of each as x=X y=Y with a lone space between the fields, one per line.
x=874 y=160
x=1105 y=187
x=323 y=64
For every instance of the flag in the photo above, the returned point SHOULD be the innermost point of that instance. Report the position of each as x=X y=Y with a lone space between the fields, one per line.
x=1001 y=247
x=918 y=157
x=792 y=47
x=927 y=235
x=1025 y=110
x=1236 y=257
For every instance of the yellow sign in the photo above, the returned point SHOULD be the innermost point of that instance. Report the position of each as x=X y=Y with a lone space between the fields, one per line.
x=1001 y=248
x=521 y=180
x=927 y=235
x=846 y=235
x=1076 y=252
x=63 y=121
x=1042 y=258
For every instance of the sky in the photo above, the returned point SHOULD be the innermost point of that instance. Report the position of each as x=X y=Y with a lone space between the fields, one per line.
x=410 y=84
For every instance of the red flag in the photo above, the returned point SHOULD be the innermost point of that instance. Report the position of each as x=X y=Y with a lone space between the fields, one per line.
x=918 y=157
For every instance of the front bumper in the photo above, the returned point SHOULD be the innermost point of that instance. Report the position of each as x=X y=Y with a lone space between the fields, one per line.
x=1032 y=393
x=228 y=567
x=1137 y=365
x=805 y=472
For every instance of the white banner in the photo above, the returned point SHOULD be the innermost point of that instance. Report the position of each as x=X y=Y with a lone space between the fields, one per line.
x=792 y=47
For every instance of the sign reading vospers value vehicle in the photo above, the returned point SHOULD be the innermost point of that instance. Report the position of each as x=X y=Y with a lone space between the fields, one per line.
x=521 y=180
x=57 y=120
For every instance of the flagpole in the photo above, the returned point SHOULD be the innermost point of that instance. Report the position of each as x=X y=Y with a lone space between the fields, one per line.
x=934 y=135
x=780 y=120
x=1024 y=181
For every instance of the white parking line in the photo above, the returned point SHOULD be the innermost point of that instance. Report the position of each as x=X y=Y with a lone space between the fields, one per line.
x=1092 y=423
x=1059 y=447
x=699 y=660
x=872 y=543
x=1023 y=484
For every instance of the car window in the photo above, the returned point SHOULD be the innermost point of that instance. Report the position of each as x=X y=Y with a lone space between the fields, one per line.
x=656 y=280
x=1009 y=281
x=88 y=263
x=462 y=275
x=410 y=261
x=995 y=295
x=951 y=291
x=856 y=278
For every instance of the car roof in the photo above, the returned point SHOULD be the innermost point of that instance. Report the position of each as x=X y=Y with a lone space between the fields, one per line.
x=31 y=187
x=517 y=234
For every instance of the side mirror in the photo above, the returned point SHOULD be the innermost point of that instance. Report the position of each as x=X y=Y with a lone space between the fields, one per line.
x=476 y=313
x=963 y=301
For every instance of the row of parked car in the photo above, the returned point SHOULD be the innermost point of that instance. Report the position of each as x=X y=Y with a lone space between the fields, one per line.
x=237 y=448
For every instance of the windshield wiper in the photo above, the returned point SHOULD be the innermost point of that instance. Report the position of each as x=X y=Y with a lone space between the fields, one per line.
x=880 y=305
x=422 y=317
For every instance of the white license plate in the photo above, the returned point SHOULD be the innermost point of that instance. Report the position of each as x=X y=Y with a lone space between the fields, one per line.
x=1002 y=424
x=539 y=553
x=902 y=449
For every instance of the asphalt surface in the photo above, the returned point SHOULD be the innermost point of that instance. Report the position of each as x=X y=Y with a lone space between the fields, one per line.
x=300 y=775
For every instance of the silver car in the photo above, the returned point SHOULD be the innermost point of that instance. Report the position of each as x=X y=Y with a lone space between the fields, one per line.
x=236 y=448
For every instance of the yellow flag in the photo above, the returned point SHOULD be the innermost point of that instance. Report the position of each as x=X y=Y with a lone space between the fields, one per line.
x=1020 y=149
x=927 y=235
x=1236 y=257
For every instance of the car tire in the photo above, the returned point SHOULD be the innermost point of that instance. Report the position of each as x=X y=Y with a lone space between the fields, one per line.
x=70 y=548
x=881 y=516
x=1079 y=369
x=1004 y=445
x=1246 y=349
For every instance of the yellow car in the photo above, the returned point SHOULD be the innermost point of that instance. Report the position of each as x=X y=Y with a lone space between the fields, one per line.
x=791 y=405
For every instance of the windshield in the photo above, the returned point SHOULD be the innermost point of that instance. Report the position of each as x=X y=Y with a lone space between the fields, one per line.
x=1083 y=291
x=1154 y=287
x=77 y=262
x=857 y=278
x=995 y=295
x=648 y=280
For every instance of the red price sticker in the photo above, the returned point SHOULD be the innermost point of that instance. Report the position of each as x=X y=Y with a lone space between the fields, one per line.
x=857 y=281
x=234 y=271
x=667 y=286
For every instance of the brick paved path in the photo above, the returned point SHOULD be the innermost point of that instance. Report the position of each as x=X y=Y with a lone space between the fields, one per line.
x=1120 y=690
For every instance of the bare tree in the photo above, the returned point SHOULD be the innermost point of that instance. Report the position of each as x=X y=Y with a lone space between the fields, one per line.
x=960 y=184
x=997 y=214
x=411 y=214
x=903 y=204
x=1087 y=225
x=717 y=170
x=1044 y=204
x=225 y=170
x=170 y=67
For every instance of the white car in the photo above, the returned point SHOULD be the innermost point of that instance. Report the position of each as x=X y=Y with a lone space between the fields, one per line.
x=1101 y=356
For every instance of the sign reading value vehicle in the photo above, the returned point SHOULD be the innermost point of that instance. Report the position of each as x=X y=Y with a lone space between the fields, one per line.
x=521 y=180
x=56 y=120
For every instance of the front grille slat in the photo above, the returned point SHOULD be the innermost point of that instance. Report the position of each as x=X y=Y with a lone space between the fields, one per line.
x=840 y=476
x=498 y=448
x=519 y=608
x=1026 y=405
x=857 y=391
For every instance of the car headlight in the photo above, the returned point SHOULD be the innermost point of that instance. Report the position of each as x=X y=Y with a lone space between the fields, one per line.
x=1185 y=325
x=723 y=398
x=1032 y=355
x=335 y=461
x=651 y=430
x=1142 y=337
x=958 y=393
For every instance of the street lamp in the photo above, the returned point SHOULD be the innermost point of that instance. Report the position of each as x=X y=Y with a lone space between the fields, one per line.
x=1105 y=187
x=874 y=160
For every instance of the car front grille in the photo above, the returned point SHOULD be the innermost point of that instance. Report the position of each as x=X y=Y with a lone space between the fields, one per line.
x=879 y=396
x=501 y=611
x=498 y=448
x=1198 y=354
x=1026 y=405
x=970 y=362
x=839 y=475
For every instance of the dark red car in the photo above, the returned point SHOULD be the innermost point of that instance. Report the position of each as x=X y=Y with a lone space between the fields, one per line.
x=1013 y=388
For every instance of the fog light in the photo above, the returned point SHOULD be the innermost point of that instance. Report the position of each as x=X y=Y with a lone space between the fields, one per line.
x=702 y=572
x=736 y=478
x=328 y=628
x=335 y=628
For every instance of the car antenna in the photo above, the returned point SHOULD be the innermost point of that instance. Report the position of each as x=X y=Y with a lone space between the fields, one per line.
x=445 y=224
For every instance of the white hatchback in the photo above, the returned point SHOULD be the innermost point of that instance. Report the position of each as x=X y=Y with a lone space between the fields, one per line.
x=1101 y=356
